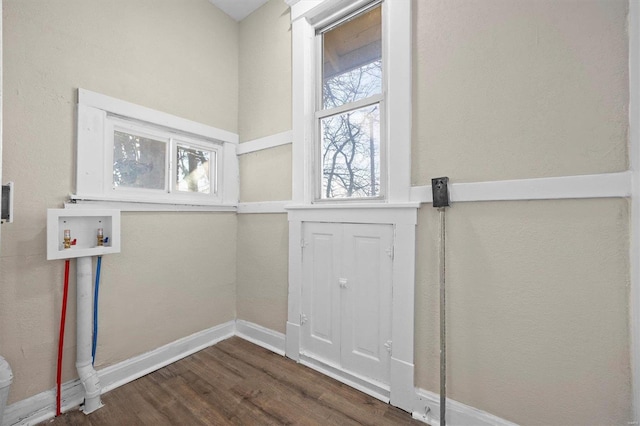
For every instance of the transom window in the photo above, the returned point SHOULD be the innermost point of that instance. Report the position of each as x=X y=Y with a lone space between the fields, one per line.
x=349 y=115
x=141 y=162
x=131 y=154
x=148 y=161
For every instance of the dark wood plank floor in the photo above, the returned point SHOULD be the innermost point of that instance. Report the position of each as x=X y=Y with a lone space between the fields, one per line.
x=237 y=383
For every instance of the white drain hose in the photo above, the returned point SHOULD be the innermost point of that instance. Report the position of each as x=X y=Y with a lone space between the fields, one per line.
x=84 y=365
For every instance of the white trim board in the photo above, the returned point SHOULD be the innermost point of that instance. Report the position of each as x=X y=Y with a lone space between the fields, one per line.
x=261 y=336
x=365 y=385
x=565 y=187
x=82 y=203
x=263 y=207
x=124 y=372
x=427 y=409
x=42 y=407
x=138 y=112
x=604 y=185
x=266 y=142
x=400 y=214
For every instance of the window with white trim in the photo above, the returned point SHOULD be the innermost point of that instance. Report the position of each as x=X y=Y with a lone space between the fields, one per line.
x=350 y=109
x=129 y=153
x=389 y=168
x=148 y=161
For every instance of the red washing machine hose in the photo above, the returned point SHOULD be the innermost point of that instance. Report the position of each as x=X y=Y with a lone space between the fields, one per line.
x=61 y=339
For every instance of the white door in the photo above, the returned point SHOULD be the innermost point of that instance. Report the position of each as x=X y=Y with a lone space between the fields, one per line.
x=321 y=291
x=366 y=300
x=346 y=296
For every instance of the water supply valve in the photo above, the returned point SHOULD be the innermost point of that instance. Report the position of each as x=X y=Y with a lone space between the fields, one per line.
x=67 y=238
x=75 y=232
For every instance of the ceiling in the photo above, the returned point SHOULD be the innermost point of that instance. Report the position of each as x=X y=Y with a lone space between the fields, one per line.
x=238 y=9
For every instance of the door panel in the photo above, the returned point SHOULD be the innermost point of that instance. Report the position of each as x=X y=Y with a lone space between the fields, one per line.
x=320 y=292
x=366 y=302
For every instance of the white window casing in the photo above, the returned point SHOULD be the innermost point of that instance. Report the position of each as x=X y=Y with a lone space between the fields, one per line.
x=350 y=143
x=99 y=116
x=307 y=17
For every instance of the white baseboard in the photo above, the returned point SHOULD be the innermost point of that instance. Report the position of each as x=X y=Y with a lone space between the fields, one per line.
x=379 y=391
x=42 y=406
x=127 y=371
x=427 y=409
x=261 y=336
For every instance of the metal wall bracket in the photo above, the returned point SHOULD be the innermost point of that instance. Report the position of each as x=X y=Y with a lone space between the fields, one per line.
x=7 y=203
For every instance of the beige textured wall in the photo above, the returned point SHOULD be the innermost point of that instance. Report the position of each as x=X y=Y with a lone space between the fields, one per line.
x=265 y=101
x=511 y=89
x=175 y=276
x=176 y=273
x=265 y=109
x=265 y=72
x=538 y=292
x=266 y=175
x=537 y=309
x=263 y=241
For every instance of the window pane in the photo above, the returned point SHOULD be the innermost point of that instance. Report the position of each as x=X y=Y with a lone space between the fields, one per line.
x=352 y=60
x=351 y=154
x=138 y=162
x=193 y=169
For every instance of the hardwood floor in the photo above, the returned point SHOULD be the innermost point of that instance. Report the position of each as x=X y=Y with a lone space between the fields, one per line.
x=237 y=383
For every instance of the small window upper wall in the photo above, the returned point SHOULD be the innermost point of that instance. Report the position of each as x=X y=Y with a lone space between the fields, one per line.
x=131 y=154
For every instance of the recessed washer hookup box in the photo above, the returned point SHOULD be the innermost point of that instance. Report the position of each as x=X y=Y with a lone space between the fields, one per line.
x=75 y=233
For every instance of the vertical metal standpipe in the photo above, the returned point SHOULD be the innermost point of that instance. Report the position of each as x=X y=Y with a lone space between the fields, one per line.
x=440 y=193
x=443 y=329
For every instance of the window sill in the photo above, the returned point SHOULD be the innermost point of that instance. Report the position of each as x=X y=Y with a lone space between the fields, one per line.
x=76 y=202
x=389 y=213
x=353 y=205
